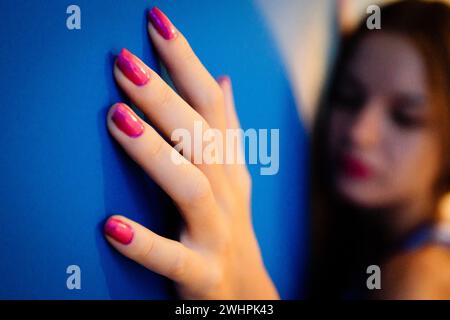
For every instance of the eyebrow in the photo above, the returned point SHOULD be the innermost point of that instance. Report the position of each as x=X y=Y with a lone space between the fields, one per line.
x=413 y=100
x=349 y=77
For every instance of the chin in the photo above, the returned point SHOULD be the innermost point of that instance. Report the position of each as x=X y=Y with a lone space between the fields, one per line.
x=358 y=193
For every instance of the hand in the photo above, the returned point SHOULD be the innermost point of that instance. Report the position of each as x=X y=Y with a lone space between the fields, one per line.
x=217 y=255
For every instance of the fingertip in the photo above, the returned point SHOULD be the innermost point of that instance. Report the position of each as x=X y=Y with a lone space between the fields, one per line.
x=109 y=116
x=113 y=108
x=161 y=23
x=122 y=117
x=123 y=54
x=224 y=80
x=117 y=216
x=118 y=229
x=132 y=67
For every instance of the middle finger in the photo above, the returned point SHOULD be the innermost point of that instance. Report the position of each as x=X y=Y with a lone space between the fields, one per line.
x=167 y=111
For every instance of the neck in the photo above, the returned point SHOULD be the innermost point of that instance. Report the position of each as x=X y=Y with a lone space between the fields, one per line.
x=403 y=219
x=400 y=220
x=392 y=224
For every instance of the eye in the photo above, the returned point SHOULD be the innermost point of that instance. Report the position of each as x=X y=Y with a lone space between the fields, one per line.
x=348 y=98
x=405 y=120
x=405 y=114
x=349 y=94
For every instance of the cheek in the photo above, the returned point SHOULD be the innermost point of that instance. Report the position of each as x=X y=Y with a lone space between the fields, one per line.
x=413 y=162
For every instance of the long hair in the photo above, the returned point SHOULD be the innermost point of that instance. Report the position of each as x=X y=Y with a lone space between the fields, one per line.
x=341 y=237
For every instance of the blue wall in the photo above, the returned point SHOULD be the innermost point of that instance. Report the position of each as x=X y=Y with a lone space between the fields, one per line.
x=61 y=174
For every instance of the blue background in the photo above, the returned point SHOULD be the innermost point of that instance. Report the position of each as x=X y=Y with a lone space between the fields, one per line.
x=62 y=174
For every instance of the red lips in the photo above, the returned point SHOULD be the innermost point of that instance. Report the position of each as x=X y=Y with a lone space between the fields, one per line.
x=355 y=168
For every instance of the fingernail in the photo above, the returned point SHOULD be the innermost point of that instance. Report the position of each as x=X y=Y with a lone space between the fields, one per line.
x=127 y=121
x=224 y=79
x=132 y=68
x=161 y=23
x=119 y=230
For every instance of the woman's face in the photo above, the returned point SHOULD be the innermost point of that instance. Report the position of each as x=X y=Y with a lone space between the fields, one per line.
x=383 y=146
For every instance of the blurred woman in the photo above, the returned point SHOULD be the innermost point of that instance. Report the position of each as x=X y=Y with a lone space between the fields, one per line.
x=381 y=158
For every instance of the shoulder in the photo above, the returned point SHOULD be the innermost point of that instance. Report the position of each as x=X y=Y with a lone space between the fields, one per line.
x=423 y=273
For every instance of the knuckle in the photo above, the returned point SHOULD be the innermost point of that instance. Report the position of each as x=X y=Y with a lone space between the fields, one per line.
x=156 y=148
x=165 y=97
x=188 y=54
x=197 y=195
x=243 y=181
x=215 y=277
x=223 y=243
x=215 y=98
x=200 y=193
x=177 y=270
x=146 y=251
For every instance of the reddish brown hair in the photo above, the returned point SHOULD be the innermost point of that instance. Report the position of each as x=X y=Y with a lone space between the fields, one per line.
x=427 y=25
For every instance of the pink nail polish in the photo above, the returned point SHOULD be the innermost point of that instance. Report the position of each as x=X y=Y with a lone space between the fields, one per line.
x=224 y=79
x=161 y=23
x=127 y=121
x=132 y=68
x=119 y=231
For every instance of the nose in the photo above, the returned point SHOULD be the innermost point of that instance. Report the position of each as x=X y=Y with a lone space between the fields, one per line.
x=365 y=131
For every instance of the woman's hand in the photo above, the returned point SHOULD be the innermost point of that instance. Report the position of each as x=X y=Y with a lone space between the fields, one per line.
x=217 y=256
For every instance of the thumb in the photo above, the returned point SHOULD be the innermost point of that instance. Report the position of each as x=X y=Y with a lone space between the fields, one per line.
x=164 y=256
